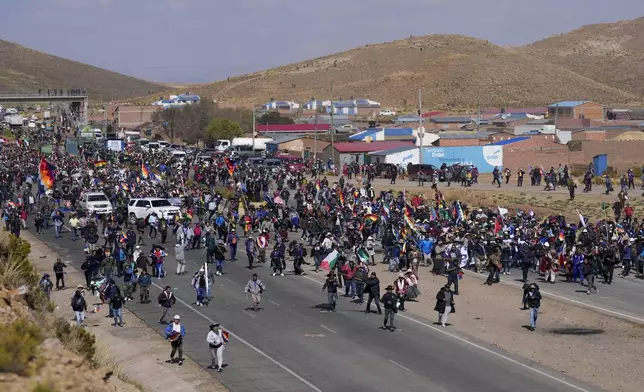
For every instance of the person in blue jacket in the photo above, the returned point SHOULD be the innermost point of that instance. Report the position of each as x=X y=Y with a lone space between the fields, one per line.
x=175 y=332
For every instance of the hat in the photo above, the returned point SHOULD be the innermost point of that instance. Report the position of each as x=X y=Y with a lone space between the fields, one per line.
x=409 y=271
x=176 y=317
x=547 y=245
x=401 y=275
x=214 y=325
x=202 y=269
x=390 y=287
x=80 y=287
x=631 y=240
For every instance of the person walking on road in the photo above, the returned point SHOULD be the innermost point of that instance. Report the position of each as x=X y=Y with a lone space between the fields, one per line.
x=372 y=287
x=232 y=241
x=533 y=300
x=589 y=274
x=216 y=342
x=389 y=302
x=331 y=285
x=180 y=258
x=166 y=299
x=251 y=251
x=255 y=287
x=444 y=304
x=220 y=256
x=175 y=332
x=145 y=281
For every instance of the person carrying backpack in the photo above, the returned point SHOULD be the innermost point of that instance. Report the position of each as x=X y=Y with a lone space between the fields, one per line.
x=46 y=285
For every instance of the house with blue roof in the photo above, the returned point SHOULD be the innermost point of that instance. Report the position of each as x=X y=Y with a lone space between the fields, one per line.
x=578 y=110
x=372 y=134
x=281 y=106
x=177 y=101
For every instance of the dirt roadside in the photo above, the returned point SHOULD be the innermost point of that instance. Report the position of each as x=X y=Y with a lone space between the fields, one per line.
x=597 y=349
x=137 y=350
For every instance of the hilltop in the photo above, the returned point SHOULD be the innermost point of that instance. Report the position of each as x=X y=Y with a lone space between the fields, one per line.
x=602 y=62
x=610 y=53
x=27 y=70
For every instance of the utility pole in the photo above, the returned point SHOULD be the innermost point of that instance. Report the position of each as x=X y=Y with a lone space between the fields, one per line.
x=332 y=128
x=421 y=130
x=253 y=127
x=556 y=114
x=315 y=137
x=478 y=119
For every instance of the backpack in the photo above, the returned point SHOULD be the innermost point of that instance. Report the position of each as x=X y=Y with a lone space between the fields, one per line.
x=46 y=284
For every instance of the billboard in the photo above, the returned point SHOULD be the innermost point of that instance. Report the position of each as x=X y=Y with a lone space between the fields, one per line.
x=485 y=158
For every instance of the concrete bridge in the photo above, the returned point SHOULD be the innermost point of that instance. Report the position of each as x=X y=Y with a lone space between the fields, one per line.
x=77 y=101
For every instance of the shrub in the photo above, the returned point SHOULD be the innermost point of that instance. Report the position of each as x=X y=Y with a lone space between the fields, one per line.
x=18 y=347
x=577 y=172
x=76 y=339
x=44 y=387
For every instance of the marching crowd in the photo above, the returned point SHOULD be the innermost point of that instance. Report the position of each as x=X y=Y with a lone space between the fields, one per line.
x=280 y=217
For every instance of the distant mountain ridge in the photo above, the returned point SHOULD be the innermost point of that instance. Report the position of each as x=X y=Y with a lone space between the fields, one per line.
x=27 y=70
x=603 y=62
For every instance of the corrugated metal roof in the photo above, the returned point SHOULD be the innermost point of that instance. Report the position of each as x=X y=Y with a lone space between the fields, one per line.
x=363 y=147
x=567 y=104
x=389 y=132
x=509 y=141
x=393 y=150
x=608 y=128
x=468 y=135
x=451 y=120
x=292 y=127
x=285 y=139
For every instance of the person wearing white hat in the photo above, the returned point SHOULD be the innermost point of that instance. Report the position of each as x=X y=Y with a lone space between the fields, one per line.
x=175 y=332
x=216 y=343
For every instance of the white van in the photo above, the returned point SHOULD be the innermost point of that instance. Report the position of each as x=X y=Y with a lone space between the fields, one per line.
x=180 y=155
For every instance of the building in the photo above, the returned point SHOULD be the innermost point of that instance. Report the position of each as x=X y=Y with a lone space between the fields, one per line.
x=463 y=139
x=268 y=129
x=372 y=134
x=348 y=152
x=177 y=101
x=577 y=109
x=131 y=117
x=281 y=106
x=316 y=105
x=450 y=123
x=299 y=145
x=353 y=107
x=485 y=158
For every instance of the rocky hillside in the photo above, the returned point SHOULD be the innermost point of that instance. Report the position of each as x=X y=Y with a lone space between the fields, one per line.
x=609 y=53
x=599 y=62
x=26 y=70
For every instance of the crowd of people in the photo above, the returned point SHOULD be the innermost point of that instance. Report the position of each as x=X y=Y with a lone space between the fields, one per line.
x=281 y=217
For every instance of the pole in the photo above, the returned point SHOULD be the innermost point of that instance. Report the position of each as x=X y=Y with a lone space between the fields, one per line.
x=253 y=127
x=421 y=131
x=478 y=119
x=315 y=138
x=332 y=130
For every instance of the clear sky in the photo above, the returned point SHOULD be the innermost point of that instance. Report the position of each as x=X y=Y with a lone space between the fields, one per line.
x=205 y=40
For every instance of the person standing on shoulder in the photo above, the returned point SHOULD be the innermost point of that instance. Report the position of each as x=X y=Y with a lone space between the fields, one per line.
x=216 y=342
x=533 y=300
x=331 y=285
x=175 y=332
x=79 y=306
x=389 y=302
x=255 y=287
x=372 y=288
x=59 y=271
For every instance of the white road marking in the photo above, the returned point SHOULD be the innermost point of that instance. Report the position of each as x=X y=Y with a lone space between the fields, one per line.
x=274 y=303
x=249 y=345
x=484 y=349
x=581 y=303
x=328 y=329
x=498 y=355
x=399 y=365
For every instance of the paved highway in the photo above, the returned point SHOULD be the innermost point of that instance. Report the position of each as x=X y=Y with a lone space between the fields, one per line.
x=293 y=345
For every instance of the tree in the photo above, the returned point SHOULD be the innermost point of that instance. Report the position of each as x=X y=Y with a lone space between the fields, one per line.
x=169 y=121
x=274 y=118
x=219 y=129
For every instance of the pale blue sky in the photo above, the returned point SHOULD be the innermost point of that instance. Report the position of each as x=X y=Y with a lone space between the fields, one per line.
x=206 y=40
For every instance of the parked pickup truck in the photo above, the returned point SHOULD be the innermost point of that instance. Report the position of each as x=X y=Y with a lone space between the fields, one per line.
x=96 y=202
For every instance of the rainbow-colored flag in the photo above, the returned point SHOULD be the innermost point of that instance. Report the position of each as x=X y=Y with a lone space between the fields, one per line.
x=99 y=164
x=145 y=170
x=341 y=197
x=12 y=204
x=46 y=174
x=230 y=165
x=561 y=235
x=373 y=218
x=225 y=335
x=317 y=185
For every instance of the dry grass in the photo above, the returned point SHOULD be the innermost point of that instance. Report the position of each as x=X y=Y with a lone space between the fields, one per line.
x=454 y=72
x=102 y=358
x=27 y=70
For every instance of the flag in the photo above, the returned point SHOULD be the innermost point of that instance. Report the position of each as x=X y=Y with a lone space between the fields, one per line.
x=460 y=215
x=99 y=164
x=189 y=215
x=145 y=170
x=46 y=174
x=363 y=255
x=619 y=228
x=561 y=235
x=341 y=197
x=433 y=216
x=225 y=335
x=125 y=186
x=12 y=204
x=385 y=209
x=317 y=186
x=330 y=261
x=581 y=218
x=502 y=211
x=373 y=218
x=230 y=165
x=604 y=205
x=497 y=224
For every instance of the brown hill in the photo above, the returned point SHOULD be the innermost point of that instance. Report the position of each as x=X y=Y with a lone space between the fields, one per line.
x=610 y=53
x=26 y=70
x=454 y=72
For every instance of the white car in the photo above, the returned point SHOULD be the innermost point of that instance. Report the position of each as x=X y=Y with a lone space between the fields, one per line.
x=387 y=112
x=31 y=125
x=142 y=208
x=96 y=202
